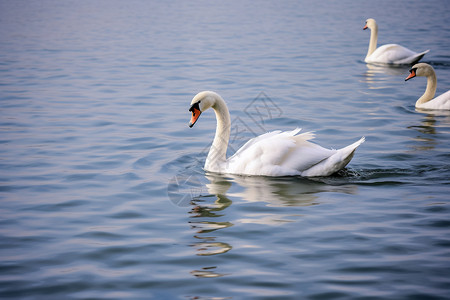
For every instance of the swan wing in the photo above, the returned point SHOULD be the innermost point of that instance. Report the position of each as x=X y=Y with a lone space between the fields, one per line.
x=305 y=155
x=284 y=154
x=265 y=154
x=255 y=140
x=394 y=54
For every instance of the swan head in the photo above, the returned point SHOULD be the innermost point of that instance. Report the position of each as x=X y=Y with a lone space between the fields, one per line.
x=371 y=24
x=201 y=102
x=420 y=69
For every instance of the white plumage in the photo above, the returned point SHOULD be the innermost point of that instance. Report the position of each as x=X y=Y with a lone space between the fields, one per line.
x=426 y=101
x=274 y=153
x=388 y=54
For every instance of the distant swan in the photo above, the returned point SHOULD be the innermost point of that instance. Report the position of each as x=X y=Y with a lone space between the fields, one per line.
x=274 y=153
x=427 y=101
x=388 y=54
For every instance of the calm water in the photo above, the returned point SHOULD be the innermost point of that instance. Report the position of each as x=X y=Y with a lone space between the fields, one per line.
x=102 y=192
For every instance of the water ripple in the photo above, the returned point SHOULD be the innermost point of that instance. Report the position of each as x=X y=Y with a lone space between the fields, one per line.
x=102 y=190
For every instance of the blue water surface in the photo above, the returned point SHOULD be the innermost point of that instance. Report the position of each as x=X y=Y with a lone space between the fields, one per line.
x=102 y=191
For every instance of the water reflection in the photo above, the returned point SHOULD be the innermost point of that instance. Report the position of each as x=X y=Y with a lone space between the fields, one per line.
x=375 y=81
x=208 y=212
x=394 y=70
x=206 y=209
x=280 y=191
x=436 y=113
x=208 y=272
x=427 y=129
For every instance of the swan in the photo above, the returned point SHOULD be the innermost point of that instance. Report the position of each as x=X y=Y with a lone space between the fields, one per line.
x=274 y=153
x=427 y=101
x=392 y=54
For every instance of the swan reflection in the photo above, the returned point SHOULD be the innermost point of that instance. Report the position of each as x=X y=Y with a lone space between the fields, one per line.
x=393 y=70
x=207 y=272
x=428 y=129
x=279 y=191
x=375 y=81
x=436 y=113
x=208 y=212
x=205 y=209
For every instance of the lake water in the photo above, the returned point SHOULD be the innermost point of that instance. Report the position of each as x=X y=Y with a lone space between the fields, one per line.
x=102 y=192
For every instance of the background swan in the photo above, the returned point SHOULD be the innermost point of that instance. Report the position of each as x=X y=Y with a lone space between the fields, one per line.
x=390 y=53
x=427 y=101
x=271 y=154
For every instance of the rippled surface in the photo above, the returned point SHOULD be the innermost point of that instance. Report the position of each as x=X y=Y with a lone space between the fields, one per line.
x=102 y=190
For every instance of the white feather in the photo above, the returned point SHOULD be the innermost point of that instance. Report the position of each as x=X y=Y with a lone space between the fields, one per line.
x=441 y=102
x=274 y=153
x=392 y=54
x=426 y=101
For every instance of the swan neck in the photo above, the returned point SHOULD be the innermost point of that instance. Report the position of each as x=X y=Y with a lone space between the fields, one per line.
x=430 y=90
x=373 y=40
x=217 y=154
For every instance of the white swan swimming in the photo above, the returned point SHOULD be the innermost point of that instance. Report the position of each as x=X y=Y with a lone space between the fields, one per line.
x=274 y=153
x=427 y=101
x=392 y=54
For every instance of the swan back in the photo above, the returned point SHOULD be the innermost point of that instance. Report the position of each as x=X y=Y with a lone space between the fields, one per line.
x=288 y=153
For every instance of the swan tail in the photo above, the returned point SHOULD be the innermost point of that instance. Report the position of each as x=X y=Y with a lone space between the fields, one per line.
x=346 y=153
x=335 y=162
x=419 y=56
x=413 y=59
x=353 y=146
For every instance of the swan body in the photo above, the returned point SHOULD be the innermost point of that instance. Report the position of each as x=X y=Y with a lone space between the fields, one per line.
x=274 y=153
x=392 y=54
x=427 y=101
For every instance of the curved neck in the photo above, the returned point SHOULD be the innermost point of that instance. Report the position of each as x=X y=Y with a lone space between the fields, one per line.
x=217 y=153
x=431 y=89
x=373 y=40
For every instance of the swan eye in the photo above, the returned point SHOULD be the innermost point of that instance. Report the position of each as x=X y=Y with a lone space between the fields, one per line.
x=194 y=107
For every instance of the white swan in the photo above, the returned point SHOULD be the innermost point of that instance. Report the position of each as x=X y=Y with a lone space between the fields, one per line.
x=392 y=54
x=271 y=154
x=427 y=101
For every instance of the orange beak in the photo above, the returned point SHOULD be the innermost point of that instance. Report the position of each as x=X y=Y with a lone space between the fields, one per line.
x=195 y=114
x=412 y=74
x=365 y=27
